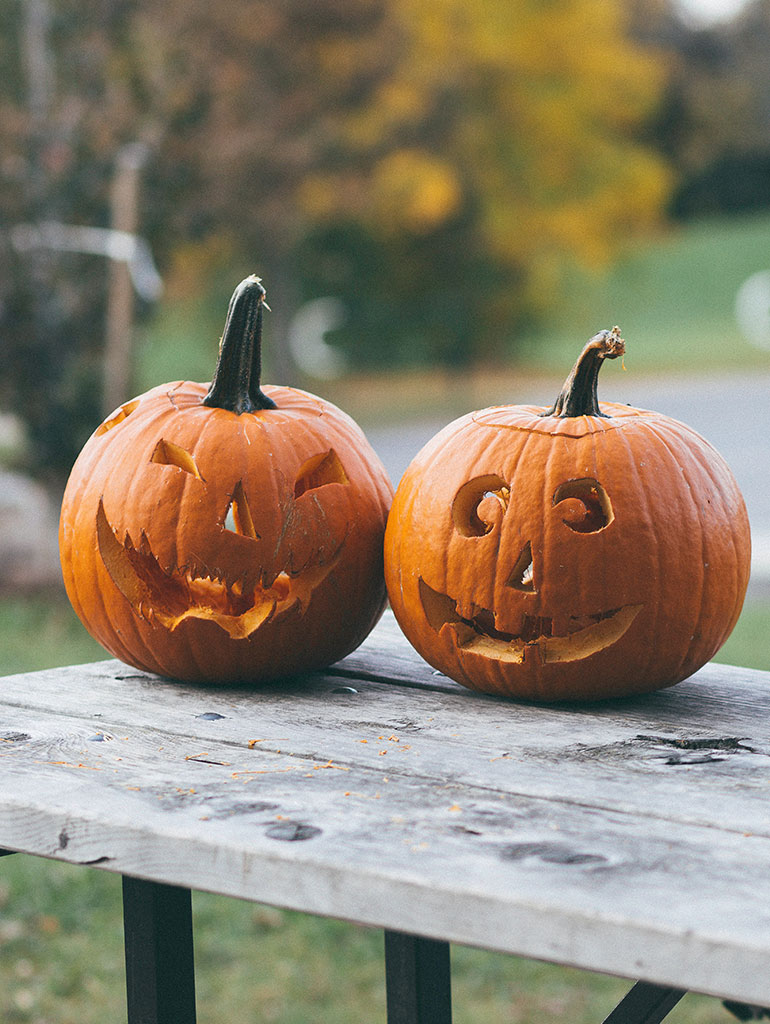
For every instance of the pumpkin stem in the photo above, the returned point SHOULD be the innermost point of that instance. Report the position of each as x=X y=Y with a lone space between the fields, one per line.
x=578 y=397
x=236 y=382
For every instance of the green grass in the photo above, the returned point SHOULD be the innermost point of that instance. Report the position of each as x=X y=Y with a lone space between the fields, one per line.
x=747 y=645
x=42 y=632
x=673 y=297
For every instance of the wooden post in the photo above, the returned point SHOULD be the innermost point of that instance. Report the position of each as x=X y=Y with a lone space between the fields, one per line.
x=118 y=351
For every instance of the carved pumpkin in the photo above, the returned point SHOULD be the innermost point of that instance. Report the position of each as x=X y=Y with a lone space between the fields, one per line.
x=226 y=533
x=572 y=553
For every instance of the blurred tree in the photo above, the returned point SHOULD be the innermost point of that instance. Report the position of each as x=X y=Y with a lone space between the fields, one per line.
x=713 y=123
x=431 y=162
x=61 y=124
x=248 y=98
x=235 y=102
x=503 y=144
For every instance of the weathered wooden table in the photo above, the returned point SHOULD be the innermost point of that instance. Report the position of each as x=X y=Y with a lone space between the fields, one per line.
x=631 y=838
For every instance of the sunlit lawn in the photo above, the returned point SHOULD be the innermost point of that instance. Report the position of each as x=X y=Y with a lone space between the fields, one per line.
x=673 y=297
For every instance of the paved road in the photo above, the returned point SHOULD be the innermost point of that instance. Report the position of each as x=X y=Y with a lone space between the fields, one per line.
x=732 y=412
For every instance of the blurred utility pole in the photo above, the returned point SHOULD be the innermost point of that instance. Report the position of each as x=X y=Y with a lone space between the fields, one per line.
x=118 y=349
x=38 y=62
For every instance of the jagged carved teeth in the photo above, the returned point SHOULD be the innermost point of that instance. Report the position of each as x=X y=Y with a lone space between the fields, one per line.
x=478 y=635
x=169 y=598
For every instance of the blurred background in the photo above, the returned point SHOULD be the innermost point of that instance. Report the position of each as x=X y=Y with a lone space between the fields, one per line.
x=445 y=199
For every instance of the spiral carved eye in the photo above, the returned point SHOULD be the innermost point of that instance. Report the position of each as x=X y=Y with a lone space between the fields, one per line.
x=587 y=507
x=479 y=504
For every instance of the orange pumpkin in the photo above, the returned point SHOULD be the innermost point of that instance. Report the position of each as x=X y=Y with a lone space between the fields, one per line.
x=226 y=533
x=577 y=552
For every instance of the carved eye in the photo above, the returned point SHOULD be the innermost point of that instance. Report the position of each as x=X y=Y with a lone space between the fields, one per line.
x=479 y=505
x=586 y=505
x=169 y=454
x=325 y=468
x=238 y=518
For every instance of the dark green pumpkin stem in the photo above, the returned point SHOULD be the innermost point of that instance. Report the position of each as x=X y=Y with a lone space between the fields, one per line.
x=236 y=382
x=578 y=397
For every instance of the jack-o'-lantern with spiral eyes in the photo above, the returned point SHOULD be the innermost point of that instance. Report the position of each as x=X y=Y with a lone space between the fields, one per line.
x=573 y=553
x=223 y=533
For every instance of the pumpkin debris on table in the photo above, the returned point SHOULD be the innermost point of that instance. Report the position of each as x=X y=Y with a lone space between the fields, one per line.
x=571 y=553
x=227 y=533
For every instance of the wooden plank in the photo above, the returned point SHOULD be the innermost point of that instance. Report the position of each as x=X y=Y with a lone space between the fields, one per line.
x=697 y=753
x=593 y=836
x=677 y=905
x=386 y=655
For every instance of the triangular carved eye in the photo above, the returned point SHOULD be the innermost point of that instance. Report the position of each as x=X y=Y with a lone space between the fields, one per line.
x=325 y=468
x=169 y=454
x=238 y=518
x=523 y=573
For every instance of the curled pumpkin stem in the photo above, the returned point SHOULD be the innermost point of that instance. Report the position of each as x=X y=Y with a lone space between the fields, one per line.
x=236 y=382
x=579 y=396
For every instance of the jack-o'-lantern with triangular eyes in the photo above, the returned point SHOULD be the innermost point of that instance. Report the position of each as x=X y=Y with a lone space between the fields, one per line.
x=225 y=533
x=572 y=553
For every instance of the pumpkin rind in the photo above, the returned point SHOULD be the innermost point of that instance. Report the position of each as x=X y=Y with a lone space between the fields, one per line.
x=206 y=544
x=633 y=525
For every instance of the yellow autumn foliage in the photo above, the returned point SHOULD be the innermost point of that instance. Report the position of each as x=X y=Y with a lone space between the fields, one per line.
x=414 y=189
x=528 y=112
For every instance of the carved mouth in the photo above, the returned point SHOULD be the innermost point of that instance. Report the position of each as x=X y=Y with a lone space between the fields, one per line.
x=478 y=635
x=171 y=597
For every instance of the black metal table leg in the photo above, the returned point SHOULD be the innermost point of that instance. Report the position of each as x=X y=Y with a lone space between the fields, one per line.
x=746 y=1011
x=417 y=980
x=160 y=973
x=645 y=1004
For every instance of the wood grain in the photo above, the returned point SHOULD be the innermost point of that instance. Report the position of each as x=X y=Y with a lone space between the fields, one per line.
x=631 y=837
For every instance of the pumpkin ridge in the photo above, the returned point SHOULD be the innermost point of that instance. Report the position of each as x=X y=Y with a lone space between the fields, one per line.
x=187 y=483
x=677 y=460
x=107 y=457
x=709 y=466
x=644 y=510
x=704 y=466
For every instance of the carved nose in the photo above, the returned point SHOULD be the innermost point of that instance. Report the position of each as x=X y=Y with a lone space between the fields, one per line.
x=523 y=573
